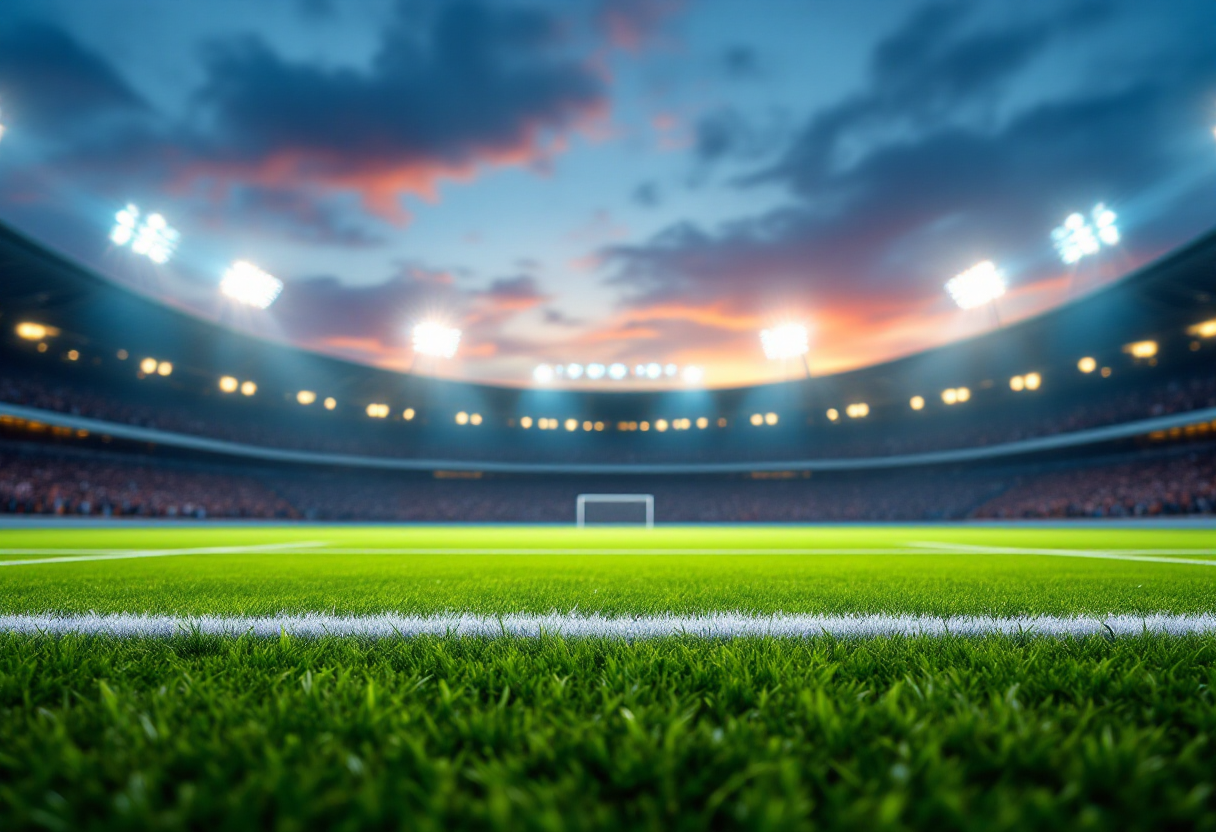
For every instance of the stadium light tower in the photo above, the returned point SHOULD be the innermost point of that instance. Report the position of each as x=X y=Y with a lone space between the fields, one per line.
x=980 y=285
x=151 y=236
x=435 y=340
x=787 y=341
x=1079 y=237
x=246 y=283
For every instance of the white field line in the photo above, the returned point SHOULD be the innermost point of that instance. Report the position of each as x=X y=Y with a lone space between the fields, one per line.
x=712 y=625
x=1071 y=553
x=165 y=553
x=559 y=550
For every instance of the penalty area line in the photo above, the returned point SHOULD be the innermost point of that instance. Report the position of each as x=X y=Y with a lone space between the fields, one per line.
x=165 y=553
x=1069 y=553
x=569 y=625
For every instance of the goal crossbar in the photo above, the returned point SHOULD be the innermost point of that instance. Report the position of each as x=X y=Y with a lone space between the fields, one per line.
x=583 y=499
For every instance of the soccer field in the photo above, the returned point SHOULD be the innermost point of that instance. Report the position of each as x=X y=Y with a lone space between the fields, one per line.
x=942 y=677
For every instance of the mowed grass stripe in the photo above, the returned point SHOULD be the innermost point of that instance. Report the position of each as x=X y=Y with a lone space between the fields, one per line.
x=575 y=625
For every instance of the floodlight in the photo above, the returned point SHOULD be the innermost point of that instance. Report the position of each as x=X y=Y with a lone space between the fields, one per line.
x=228 y=384
x=462 y=418
x=525 y=422
x=246 y=283
x=785 y=341
x=702 y=423
x=31 y=331
x=1033 y=381
x=543 y=374
x=770 y=418
x=1079 y=237
x=572 y=424
x=1204 y=329
x=640 y=371
x=164 y=368
x=434 y=339
x=1141 y=349
x=152 y=237
x=574 y=371
x=980 y=284
x=306 y=397
x=917 y=402
x=670 y=370
x=331 y=403
x=1087 y=365
x=833 y=414
x=616 y=372
x=653 y=371
x=595 y=371
x=693 y=375
x=1017 y=384
x=148 y=366
x=475 y=419
x=660 y=425
x=757 y=419
x=248 y=388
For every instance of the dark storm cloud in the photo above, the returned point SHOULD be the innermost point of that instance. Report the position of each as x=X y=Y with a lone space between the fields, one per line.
x=913 y=178
x=57 y=86
x=472 y=84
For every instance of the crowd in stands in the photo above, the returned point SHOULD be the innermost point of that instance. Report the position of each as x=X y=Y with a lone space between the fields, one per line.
x=1174 y=486
x=111 y=486
x=93 y=487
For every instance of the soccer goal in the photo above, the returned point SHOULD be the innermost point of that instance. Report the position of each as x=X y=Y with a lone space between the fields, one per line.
x=615 y=510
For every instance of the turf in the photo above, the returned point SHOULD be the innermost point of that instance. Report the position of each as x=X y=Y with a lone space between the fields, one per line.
x=358 y=580
x=938 y=734
x=200 y=732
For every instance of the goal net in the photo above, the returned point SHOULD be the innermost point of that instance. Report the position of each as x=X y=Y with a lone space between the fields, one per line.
x=615 y=510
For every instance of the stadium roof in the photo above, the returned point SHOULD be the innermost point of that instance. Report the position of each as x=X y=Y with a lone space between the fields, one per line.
x=1158 y=301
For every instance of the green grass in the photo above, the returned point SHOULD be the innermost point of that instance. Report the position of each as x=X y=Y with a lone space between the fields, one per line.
x=548 y=734
x=616 y=584
x=680 y=733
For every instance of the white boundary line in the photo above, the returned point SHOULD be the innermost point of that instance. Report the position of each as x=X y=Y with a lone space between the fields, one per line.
x=165 y=553
x=1065 y=553
x=713 y=625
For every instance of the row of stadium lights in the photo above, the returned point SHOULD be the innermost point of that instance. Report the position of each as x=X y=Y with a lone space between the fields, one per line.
x=546 y=374
x=1143 y=350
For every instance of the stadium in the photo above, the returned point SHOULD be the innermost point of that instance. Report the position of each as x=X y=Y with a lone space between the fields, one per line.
x=255 y=578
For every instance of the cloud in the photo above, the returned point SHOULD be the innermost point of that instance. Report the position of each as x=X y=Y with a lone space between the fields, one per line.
x=740 y=62
x=914 y=178
x=468 y=86
x=373 y=322
x=633 y=24
x=55 y=85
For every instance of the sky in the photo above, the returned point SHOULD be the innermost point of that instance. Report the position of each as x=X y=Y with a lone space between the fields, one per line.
x=599 y=181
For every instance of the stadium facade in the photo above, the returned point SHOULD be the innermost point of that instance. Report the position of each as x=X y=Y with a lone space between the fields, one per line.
x=1118 y=386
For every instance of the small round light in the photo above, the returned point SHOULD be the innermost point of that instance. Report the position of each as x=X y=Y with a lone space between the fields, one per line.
x=950 y=396
x=148 y=366
x=1033 y=381
x=73 y=355
x=306 y=397
x=32 y=331
x=660 y=425
x=475 y=419
x=588 y=426
x=248 y=388
x=702 y=423
x=525 y=422
x=917 y=402
x=543 y=374
x=964 y=394
x=408 y=414
x=122 y=355
x=644 y=426
x=770 y=418
x=757 y=419
x=228 y=384
x=1017 y=384
x=599 y=426
x=331 y=403
x=833 y=414
x=1087 y=365
x=462 y=418
x=572 y=424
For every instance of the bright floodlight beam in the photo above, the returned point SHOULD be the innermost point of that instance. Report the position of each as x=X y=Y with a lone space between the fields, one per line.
x=980 y=285
x=151 y=236
x=1079 y=237
x=436 y=340
x=246 y=283
x=787 y=341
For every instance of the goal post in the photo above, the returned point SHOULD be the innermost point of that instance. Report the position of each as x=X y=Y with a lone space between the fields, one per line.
x=615 y=509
